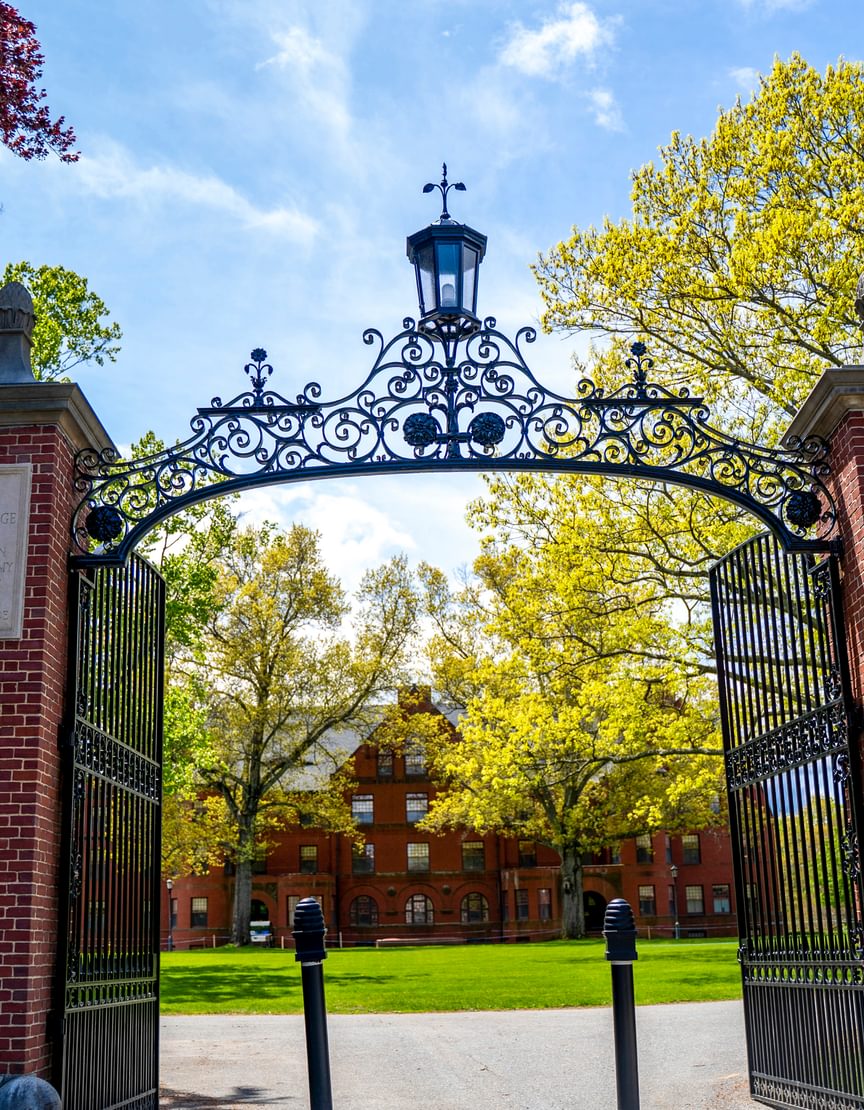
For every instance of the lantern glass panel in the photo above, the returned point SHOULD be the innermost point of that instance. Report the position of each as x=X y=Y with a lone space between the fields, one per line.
x=448 y=274
x=470 y=279
x=426 y=271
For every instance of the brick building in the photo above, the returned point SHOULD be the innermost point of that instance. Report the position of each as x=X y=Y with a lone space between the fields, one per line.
x=408 y=884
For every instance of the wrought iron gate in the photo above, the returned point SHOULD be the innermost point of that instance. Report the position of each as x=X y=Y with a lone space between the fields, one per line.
x=107 y=988
x=794 y=782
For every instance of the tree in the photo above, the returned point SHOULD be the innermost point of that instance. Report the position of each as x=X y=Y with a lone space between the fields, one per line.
x=71 y=320
x=738 y=265
x=589 y=711
x=739 y=262
x=280 y=677
x=186 y=549
x=656 y=543
x=26 y=127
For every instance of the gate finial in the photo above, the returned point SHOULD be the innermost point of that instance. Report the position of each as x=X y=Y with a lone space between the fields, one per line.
x=16 y=330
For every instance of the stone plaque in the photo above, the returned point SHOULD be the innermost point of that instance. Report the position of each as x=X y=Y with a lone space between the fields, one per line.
x=14 y=520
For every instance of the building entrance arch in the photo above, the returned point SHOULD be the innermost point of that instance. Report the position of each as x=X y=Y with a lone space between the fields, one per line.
x=595 y=908
x=454 y=394
x=259 y=911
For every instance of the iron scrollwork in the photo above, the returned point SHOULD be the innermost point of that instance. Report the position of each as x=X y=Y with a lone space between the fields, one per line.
x=820 y=732
x=469 y=404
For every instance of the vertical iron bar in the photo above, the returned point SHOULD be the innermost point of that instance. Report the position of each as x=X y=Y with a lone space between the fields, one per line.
x=789 y=689
x=720 y=590
x=810 y=623
x=855 y=781
x=108 y=1042
x=780 y=649
x=77 y=587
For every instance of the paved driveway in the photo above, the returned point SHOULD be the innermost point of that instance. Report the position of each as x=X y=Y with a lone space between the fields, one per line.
x=691 y=1057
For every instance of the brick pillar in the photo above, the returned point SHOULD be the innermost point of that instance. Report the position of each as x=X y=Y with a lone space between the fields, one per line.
x=835 y=411
x=43 y=424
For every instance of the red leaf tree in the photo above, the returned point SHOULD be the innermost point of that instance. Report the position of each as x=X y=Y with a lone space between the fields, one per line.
x=26 y=126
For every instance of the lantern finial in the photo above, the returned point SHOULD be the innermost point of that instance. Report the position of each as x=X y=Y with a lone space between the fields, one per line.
x=444 y=188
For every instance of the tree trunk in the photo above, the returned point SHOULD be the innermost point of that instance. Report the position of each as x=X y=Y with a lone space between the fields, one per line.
x=572 y=904
x=242 y=908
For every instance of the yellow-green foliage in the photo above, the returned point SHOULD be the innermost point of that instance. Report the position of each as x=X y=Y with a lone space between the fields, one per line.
x=275 y=675
x=590 y=706
x=739 y=262
x=71 y=320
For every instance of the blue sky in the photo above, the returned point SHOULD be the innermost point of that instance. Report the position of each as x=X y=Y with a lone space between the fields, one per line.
x=250 y=169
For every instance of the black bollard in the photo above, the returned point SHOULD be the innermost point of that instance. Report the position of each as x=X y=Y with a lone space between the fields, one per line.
x=308 y=933
x=619 y=929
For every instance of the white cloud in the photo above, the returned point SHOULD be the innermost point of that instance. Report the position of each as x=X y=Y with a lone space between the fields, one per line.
x=355 y=534
x=745 y=77
x=607 y=114
x=113 y=173
x=490 y=102
x=297 y=48
x=363 y=522
x=320 y=77
x=771 y=6
x=575 y=32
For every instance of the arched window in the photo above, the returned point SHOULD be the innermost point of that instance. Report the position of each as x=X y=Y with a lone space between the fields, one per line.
x=475 y=907
x=363 y=911
x=419 y=911
x=258 y=911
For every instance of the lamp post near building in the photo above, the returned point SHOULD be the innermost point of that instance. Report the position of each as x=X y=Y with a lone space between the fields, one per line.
x=676 y=929
x=169 y=883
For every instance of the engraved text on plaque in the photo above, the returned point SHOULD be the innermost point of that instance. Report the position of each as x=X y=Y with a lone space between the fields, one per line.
x=14 y=518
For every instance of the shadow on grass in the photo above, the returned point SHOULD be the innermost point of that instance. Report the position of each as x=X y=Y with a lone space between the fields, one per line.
x=239 y=1097
x=215 y=983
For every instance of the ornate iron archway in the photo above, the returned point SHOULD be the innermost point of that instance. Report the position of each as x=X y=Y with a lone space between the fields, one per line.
x=454 y=405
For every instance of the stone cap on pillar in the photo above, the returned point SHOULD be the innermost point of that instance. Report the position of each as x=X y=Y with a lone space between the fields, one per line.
x=838 y=392
x=16 y=333
x=61 y=404
x=26 y=402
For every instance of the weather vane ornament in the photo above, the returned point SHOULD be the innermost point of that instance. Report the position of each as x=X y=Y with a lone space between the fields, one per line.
x=444 y=188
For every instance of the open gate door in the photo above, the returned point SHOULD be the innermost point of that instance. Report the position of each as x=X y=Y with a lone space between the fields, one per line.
x=108 y=962
x=794 y=784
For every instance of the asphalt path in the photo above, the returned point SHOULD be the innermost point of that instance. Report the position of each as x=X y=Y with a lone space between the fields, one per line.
x=691 y=1057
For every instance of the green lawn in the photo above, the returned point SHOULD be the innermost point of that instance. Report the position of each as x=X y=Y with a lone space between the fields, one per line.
x=469 y=977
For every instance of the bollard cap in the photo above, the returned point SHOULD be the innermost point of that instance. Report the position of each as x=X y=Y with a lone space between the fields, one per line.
x=309 y=932
x=619 y=930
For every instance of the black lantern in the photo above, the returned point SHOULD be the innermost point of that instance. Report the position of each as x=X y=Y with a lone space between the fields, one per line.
x=446 y=257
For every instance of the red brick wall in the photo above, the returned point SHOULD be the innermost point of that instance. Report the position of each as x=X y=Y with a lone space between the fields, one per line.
x=847 y=486
x=32 y=679
x=713 y=868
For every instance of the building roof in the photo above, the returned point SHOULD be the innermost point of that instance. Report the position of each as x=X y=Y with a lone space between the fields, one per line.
x=338 y=744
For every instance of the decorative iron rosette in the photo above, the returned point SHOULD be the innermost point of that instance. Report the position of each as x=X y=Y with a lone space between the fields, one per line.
x=470 y=404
